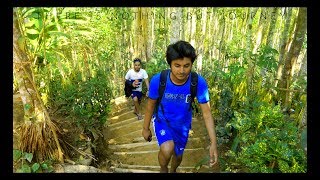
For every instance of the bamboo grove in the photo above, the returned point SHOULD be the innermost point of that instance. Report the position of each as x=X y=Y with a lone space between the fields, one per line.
x=72 y=60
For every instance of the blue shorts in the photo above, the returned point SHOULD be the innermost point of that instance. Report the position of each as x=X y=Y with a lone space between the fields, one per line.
x=164 y=132
x=137 y=94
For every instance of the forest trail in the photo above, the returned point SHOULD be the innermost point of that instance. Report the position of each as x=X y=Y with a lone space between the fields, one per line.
x=130 y=153
x=127 y=151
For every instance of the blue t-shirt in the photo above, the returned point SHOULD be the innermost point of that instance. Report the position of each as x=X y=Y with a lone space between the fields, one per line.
x=175 y=101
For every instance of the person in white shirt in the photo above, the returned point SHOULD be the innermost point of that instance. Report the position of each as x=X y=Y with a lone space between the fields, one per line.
x=135 y=77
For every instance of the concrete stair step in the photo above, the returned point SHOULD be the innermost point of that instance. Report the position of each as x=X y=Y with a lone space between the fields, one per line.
x=196 y=142
x=125 y=170
x=152 y=169
x=191 y=157
x=132 y=154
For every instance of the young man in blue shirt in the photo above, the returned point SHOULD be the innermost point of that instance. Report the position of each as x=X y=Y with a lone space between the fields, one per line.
x=172 y=119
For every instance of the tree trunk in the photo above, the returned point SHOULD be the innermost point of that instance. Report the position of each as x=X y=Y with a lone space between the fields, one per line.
x=283 y=43
x=176 y=25
x=140 y=27
x=37 y=129
x=261 y=27
x=145 y=15
x=272 y=29
x=151 y=34
x=193 y=29
x=201 y=39
x=293 y=55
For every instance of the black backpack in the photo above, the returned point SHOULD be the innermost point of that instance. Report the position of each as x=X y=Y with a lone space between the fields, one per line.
x=128 y=88
x=162 y=86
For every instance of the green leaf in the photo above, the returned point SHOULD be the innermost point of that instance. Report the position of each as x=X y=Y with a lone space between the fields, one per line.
x=38 y=23
x=16 y=154
x=44 y=166
x=34 y=43
x=235 y=144
x=25 y=169
x=29 y=24
x=28 y=12
x=283 y=166
x=59 y=33
x=35 y=167
x=32 y=31
x=27 y=107
x=28 y=156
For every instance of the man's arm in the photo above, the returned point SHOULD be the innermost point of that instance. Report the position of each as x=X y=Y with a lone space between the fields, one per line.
x=146 y=133
x=209 y=122
x=147 y=84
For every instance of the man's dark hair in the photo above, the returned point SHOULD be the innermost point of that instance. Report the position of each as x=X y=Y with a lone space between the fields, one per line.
x=137 y=60
x=180 y=49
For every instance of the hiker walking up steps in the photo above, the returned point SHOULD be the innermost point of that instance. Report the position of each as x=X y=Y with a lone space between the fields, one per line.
x=135 y=77
x=169 y=107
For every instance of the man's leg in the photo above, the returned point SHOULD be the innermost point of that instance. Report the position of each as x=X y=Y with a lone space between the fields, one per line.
x=180 y=143
x=175 y=162
x=164 y=155
x=136 y=105
x=133 y=106
x=137 y=95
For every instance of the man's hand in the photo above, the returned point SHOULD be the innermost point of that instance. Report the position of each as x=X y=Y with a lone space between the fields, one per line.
x=134 y=85
x=146 y=133
x=213 y=155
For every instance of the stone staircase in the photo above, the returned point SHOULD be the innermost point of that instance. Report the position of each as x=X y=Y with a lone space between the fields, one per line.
x=130 y=153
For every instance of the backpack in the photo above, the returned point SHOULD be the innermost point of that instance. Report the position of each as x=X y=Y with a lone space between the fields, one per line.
x=128 y=88
x=162 y=86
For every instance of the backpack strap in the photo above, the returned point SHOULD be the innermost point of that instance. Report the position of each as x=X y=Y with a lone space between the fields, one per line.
x=193 y=90
x=162 y=87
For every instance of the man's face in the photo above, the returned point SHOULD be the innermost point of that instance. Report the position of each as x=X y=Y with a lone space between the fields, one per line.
x=181 y=69
x=137 y=66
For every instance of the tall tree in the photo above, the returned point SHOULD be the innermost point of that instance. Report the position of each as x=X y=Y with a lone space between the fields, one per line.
x=283 y=43
x=293 y=55
x=151 y=35
x=222 y=31
x=176 y=16
x=145 y=15
x=140 y=28
x=261 y=27
x=202 y=38
x=193 y=28
x=183 y=25
x=272 y=29
x=38 y=133
x=214 y=31
x=251 y=64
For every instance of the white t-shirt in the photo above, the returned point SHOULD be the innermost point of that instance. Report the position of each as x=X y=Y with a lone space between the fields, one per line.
x=138 y=76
